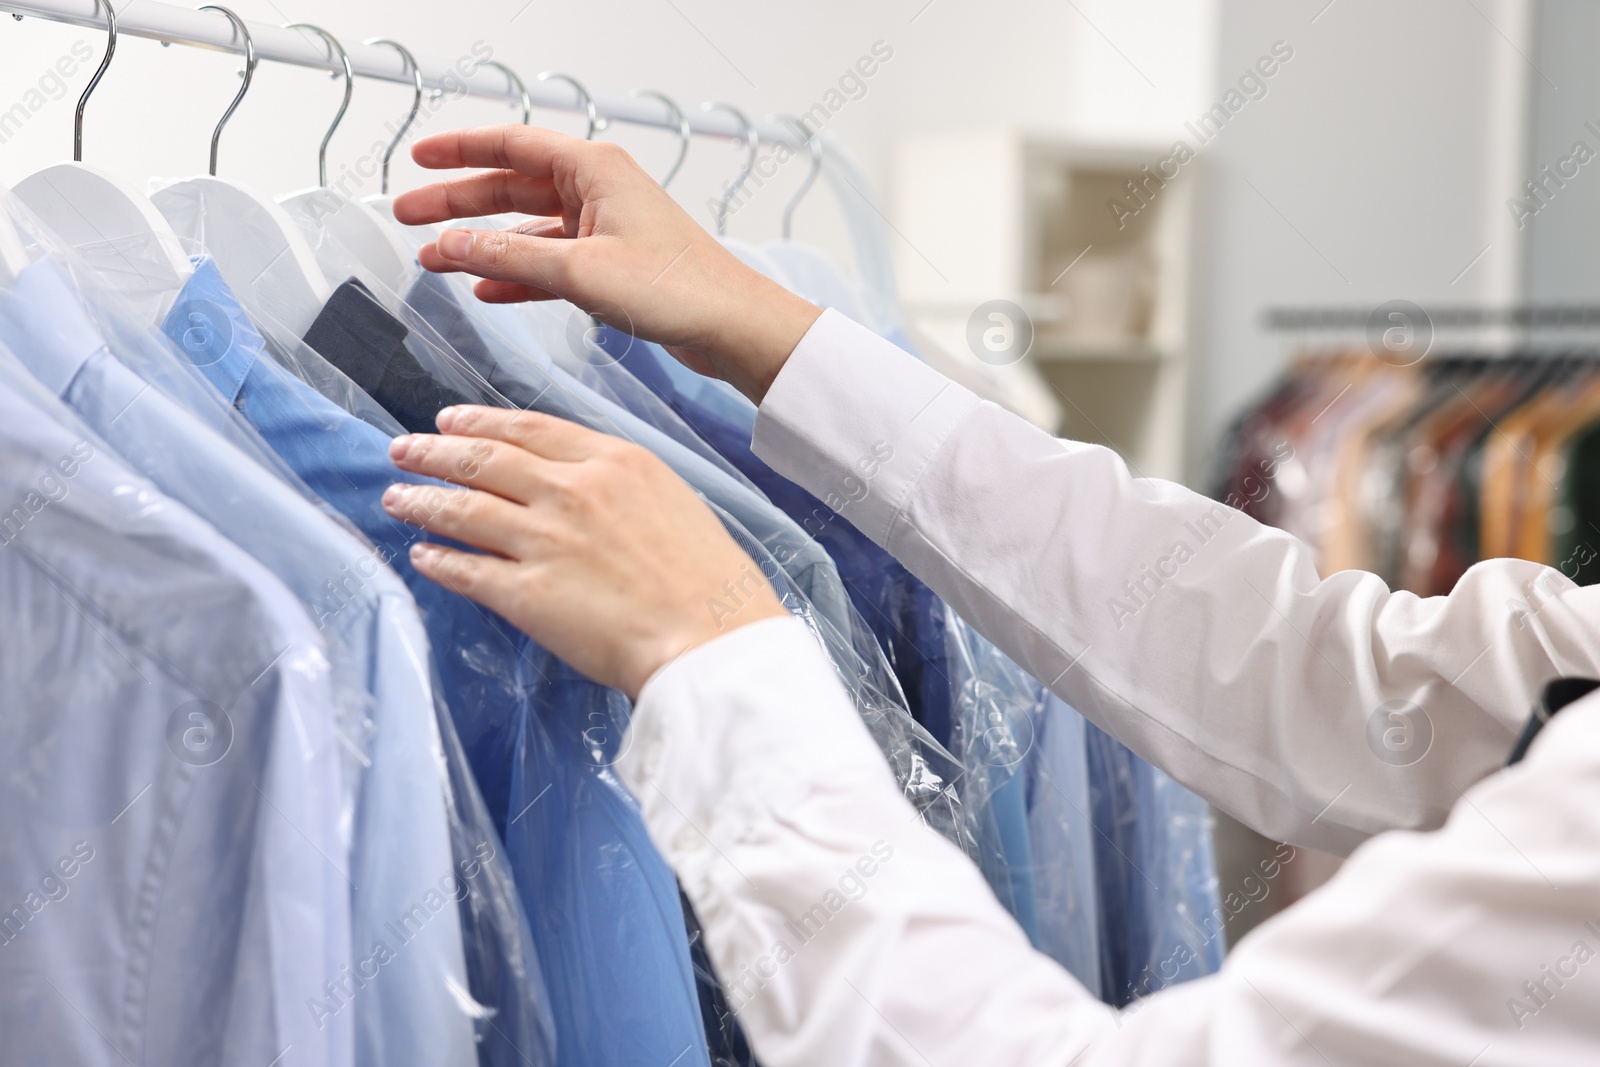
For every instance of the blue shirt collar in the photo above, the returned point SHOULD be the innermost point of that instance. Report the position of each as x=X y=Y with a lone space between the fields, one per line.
x=211 y=329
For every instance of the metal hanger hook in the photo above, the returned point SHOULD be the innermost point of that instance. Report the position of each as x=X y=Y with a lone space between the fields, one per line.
x=747 y=134
x=675 y=114
x=335 y=49
x=814 y=146
x=249 y=72
x=407 y=61
x=516 y=83
x=111 y=48
x=596 y=123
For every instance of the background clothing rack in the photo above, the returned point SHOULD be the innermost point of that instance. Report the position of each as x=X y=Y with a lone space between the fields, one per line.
x=210 y=29
x=1460 y=330
x=1527 y=316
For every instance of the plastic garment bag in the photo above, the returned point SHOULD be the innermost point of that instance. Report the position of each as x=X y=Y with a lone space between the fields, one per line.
x=169 y=759
x=514 y=707
x=542 y=386
x=447 y=378
x=466 y=358
x=1062 y=833
x=541 y=740
x=869 y=234
x=991 y=727
x=376 y=645
x=1158 y=886
x=992 y=732
x=403 y=845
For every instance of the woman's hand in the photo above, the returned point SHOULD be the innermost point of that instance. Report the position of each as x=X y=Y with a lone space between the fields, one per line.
x=610 y=240
x=598 y=550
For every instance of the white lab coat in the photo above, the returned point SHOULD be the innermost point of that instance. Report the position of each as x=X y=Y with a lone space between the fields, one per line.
x=1464 y=930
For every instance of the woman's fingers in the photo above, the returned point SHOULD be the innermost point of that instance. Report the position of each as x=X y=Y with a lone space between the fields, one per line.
x=551 y=226
x=554 y=228
x=536 y=262
x=495 y=583
x=613 y=243
x=509 y=292
x=526 y=149
x=477 y=195
x=543 y=435
x=475 y=462
x=482 y=520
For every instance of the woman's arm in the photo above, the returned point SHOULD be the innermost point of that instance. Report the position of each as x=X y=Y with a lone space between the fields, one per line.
x=1202 y=639
x=1317 y=711
x=847 y=934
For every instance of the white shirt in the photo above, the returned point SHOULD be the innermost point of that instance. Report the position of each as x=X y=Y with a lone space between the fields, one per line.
x=1464 y=930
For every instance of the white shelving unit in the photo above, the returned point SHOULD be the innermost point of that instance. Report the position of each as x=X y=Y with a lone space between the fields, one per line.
x=1035 y=220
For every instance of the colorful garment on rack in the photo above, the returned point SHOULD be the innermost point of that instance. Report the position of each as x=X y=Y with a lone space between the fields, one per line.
x=1417 y=473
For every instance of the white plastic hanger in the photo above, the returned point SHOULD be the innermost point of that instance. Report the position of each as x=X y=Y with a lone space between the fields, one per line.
x=259 y=249
x=357 y=229
x=116 y=229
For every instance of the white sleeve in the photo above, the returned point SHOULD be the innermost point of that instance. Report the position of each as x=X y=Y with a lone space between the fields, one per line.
x=848 y=935
x=831 y=913
x=1318 y=711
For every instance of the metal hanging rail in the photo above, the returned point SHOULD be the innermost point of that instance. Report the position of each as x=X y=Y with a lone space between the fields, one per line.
x=1456 y=317
x=204 y=29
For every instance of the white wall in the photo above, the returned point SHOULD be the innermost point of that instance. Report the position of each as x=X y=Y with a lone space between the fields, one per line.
x=1376 y=169
x=1563 y=265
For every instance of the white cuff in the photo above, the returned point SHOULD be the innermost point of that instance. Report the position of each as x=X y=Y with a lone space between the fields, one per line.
x=856 y=420
x=735 y=734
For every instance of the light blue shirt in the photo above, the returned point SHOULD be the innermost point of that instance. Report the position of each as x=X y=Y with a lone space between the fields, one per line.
x=169 y=766
x=603 y=906
x=401 y=845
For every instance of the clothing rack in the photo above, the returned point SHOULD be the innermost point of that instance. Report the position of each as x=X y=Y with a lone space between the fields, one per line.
x=1464 y=331
x=1525 y=316
x=212 y=30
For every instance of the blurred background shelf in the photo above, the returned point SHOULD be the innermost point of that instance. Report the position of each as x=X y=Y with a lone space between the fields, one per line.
x=1047 y=349
x=1091 y=241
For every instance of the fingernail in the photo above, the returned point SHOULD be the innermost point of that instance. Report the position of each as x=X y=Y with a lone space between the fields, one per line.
x=423 y=553
x=457 y=244
x=393 y=495
x=399 y=447
x=446 y=419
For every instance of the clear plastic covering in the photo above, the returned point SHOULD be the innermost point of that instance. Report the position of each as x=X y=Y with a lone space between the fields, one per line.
x=992 y=733
x=463 y=346
x=1063 y=835
x=436 y=964
x=589 y=938
x=1159 y=906
x=551 y=931
x=142 y=729
x=869 y=233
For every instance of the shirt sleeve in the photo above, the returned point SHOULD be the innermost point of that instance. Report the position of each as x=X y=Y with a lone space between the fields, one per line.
x=844 y=931
x=847 y=934
x=1204 y=640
